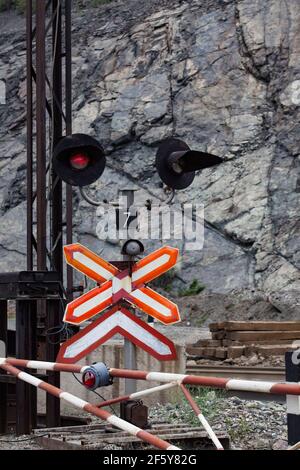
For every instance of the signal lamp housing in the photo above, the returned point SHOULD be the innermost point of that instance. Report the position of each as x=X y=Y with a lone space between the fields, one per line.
x=176 y=163
x=133 y=248
x=79 y=160
x=96 y=376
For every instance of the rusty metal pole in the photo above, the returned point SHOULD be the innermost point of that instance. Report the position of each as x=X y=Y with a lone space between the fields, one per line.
x=56 y=193
x=68 y=107
x=54 y=308
x=26 y=400
x=49 y=225
x=26 y=312
x=29 y=80
x=130 y=360
x=41 y=134
x=3 y=385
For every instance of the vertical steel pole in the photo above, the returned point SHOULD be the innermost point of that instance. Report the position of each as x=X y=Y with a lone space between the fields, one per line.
x=54 y=315
x=68 y=88
x=52 y=402
x=41 y=133
x=29 y=79
x=26 y=399
x=293 y=402
x=26 y=312
x=3 y=386
x=129 y=348
x=57 y=242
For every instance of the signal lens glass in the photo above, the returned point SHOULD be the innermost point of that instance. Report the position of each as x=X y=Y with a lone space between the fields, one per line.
x=89 y=379
x=79 y=161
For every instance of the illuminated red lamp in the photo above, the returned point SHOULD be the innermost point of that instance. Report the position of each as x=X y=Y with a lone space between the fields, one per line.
x=79 y=161
x=89 y=379
x=96 y=376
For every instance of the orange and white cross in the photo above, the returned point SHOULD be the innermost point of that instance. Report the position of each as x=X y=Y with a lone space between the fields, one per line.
x=115 y=285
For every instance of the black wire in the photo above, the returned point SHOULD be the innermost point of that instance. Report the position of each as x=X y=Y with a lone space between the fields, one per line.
x=63 y=330
x=96 y=393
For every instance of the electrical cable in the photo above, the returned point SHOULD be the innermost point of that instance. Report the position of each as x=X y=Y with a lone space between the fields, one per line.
x=63 y=330
x=96 y=393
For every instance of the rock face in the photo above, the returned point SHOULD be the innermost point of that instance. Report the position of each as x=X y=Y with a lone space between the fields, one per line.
x=224 y=76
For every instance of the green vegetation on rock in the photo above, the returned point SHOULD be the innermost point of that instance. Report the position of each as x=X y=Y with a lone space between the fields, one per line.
x=193 y=289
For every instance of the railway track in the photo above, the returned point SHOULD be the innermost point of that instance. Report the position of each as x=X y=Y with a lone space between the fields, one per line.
x=272 y=374
x=103 y=436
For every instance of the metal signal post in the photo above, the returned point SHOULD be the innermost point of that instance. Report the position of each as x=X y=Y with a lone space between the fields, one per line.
x=130 y=361
x=37 y=291
x=49 y=114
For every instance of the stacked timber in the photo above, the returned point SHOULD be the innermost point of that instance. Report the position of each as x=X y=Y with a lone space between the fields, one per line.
x=233 y=339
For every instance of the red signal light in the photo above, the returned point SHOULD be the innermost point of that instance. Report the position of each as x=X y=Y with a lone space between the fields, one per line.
x=79 y=161
x=89 y=379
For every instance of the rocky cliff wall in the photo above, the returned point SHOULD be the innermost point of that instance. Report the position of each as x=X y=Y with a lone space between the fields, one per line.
x=222 y=75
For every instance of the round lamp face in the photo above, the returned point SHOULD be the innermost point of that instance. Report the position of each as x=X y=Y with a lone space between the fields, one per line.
x=79 y=161
x=172 y=177
x=89 y=379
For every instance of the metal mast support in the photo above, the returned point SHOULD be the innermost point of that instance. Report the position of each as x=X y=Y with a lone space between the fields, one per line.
x=130 y=361
x=49 y=116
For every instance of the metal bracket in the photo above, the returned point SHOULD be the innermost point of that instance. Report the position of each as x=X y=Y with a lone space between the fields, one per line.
x=30 y=285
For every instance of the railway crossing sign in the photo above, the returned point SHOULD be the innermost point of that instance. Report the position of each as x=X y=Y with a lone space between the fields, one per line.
x=117 y=320
x=116 y=285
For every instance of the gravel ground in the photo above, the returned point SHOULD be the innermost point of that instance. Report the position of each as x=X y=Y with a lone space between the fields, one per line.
x=253 y=360
x=251 y=425
x=11 y=442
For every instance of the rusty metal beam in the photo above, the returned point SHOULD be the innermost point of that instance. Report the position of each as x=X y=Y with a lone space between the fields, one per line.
x=41 y=134
x=29 y=134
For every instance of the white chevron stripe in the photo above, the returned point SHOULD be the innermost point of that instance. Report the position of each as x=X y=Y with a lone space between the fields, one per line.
x=92 y=265
x=147 y=299
x=93 y=302
x=103 y=328
x=148 y=268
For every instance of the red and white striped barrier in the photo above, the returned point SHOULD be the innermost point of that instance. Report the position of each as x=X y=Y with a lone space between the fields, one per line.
x=41 y=365
x=88 y=407
x=137 y=395
x=201 y=418
x=276 y=388
x=170 y=380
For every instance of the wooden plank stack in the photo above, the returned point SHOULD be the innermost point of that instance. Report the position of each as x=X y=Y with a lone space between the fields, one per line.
x=233 y=339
